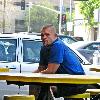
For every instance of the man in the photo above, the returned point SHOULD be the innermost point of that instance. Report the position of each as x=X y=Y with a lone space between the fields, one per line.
x=59 y=59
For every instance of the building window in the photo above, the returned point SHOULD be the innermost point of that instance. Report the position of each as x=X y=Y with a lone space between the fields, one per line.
x=17 y=3
x=1 y=2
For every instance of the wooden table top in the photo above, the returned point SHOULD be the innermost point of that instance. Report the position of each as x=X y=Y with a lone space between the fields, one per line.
x=50 y=78
x=4 y=69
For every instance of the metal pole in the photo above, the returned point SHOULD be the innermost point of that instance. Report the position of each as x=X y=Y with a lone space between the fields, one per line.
x=61 y=5
x=70 y=10
x=70 y=15
x=3 y=24
x=29 y=17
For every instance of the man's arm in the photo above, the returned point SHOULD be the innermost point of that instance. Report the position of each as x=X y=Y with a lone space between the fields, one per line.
x=40 y=68
x=51 y=69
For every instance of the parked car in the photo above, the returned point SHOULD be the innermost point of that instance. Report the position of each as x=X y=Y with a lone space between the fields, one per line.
x=78 y=38
x=14 y=52
x=67 y=39
x=87 y=48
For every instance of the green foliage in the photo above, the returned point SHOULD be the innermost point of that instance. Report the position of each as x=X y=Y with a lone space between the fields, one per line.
x=87 y=8
x=40 y=16
x=68 y=15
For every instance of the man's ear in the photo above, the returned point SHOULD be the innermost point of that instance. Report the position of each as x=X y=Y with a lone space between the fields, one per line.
x=56 y=35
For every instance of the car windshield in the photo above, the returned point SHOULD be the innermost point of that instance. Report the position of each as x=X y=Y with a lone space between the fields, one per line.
x=8 y=50
x=67 y=39
x=31 y=51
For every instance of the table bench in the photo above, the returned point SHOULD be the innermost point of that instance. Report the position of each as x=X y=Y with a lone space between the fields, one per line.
x=82 y=95
x=93 y=91
x=4 y=69
x=19 y=97
x=49 y=79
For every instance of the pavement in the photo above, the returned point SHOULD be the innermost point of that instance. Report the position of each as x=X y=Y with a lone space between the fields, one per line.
x=12 y=89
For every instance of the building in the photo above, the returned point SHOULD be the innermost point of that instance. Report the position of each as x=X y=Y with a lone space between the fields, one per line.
x=12 y=17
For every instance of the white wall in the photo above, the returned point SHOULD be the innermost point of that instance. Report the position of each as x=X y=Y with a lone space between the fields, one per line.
x=80 y=27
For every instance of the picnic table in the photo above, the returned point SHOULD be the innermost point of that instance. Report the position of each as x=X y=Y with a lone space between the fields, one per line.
x=48 y=79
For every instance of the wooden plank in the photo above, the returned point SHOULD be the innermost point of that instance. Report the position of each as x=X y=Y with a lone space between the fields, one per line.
x=83 y=95
x=50 y=78
x=4 y=69
x=93 y=91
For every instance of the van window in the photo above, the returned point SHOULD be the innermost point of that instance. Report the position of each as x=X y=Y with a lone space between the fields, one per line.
x=8 y=50
x=31 y=51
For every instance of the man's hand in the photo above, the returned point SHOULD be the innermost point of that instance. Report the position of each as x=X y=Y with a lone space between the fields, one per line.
x=40 y=68
x=52 y=68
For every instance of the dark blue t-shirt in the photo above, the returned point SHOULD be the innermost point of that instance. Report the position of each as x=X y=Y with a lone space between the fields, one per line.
x=44 y=54
x=61 y=54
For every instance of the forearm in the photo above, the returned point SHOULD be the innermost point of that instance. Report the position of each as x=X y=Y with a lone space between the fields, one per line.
x=40 y=68
x=36 y=71
x=51 y=69
x=46 y=71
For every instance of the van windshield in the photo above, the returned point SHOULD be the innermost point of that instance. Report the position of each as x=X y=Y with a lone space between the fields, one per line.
x=8 y=50
x=31 y=51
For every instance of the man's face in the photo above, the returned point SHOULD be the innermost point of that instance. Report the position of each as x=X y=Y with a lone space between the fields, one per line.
x=48 y=36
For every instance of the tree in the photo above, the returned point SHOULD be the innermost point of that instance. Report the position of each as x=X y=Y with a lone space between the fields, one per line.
x=87 y=8
x=40 y=16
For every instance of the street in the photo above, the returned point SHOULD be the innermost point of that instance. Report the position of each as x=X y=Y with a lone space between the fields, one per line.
x=11 y=89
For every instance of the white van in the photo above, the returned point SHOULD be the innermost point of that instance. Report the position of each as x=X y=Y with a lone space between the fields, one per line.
x=19 y=52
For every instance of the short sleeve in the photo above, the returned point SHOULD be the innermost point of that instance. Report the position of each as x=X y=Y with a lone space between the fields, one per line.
x=56 y=54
